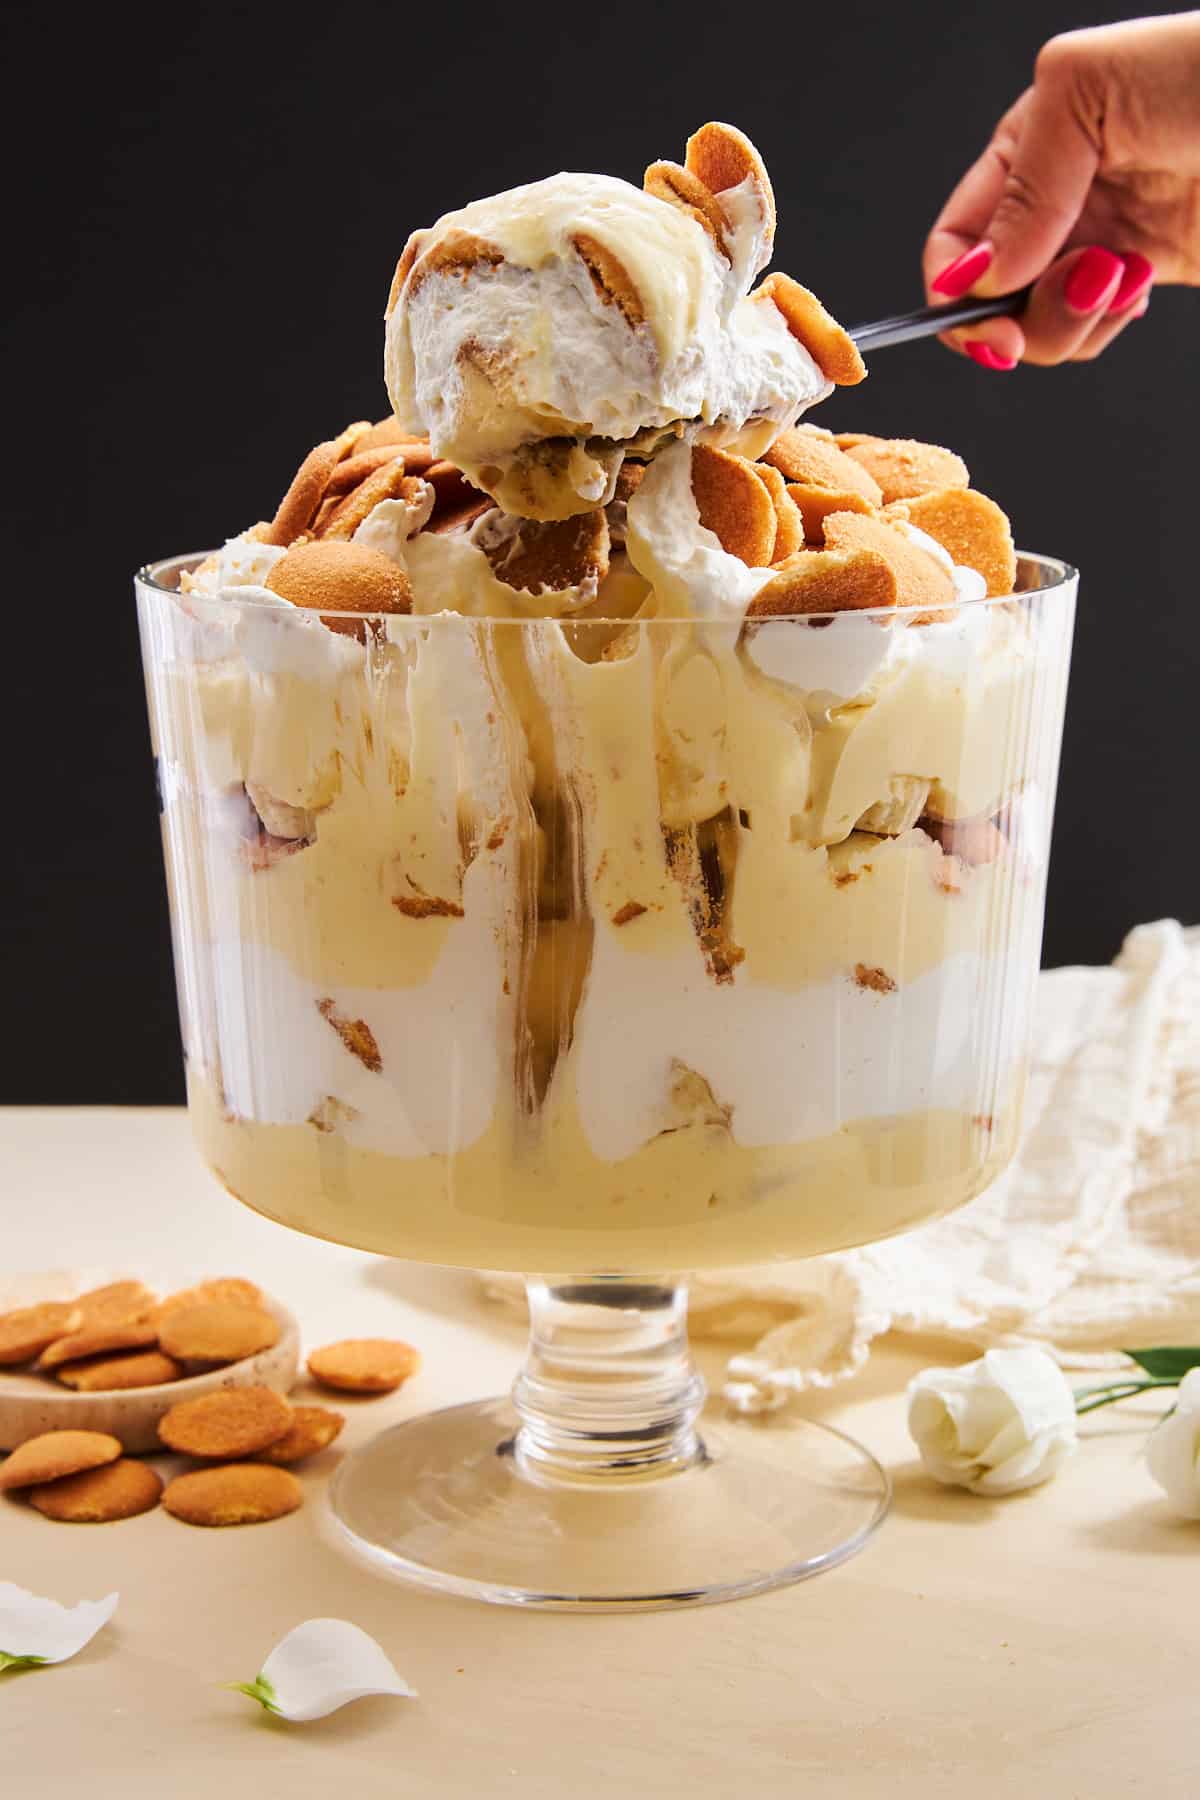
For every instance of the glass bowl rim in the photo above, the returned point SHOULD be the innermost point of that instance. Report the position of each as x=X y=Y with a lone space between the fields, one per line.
x=1063 y=575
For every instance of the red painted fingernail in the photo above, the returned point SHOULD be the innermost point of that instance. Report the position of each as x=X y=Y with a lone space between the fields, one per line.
x=987 y=358
x=1139 y=274
x=1093 y=281
x=953 y=281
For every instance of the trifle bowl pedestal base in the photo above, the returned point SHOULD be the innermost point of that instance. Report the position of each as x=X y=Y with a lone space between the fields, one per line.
x=596 y=1488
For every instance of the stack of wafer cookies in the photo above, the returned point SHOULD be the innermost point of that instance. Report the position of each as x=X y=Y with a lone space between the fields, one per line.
x=828 y=513
x=122 y=1336
x=241 y=1442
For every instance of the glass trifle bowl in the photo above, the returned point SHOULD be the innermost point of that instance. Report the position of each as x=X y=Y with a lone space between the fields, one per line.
x=606 y=949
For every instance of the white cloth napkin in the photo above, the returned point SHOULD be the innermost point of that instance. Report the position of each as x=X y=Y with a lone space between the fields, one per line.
x=1088 y=1243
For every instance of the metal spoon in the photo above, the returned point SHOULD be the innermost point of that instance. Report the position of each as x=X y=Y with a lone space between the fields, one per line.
x=928 y=321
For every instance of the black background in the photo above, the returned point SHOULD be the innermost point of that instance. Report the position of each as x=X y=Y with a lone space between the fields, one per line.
x=207 y=207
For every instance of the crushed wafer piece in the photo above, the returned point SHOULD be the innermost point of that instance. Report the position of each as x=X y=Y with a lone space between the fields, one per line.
x=625 y=915
x=789 y=521
x=346 y=442
x=29 y=1330
x=53 y=1454
x=876 y=981
x=116 y=1374
x=821 y=581
x=905 y=467
x=90 y=1340
x=118 y=1490
x=356 y=1034
x=815 y=504
x=456 y=252
x=312 y=1428
x=971 y=527
x=418 y=457
x=630 y=477
x=332 y=577
x=233 y=1494
x=298 y=508
x=404 y=268
x=388 y=432
x=364 y=1365
x=920 y=580
x=390 y=481
x=426 y=906
x=234 y=1421
x=805 y=454
x=680 y=187
x=217 y=1331
x=828 y=343
x=610 y=278
x=537 y=556
x=356 y=468
x=734 y=504
x=723 y=157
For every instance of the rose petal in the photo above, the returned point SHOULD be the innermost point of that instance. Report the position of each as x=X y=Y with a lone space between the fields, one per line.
x=1173 y=1456
x=321 y=1665
x=1036 y=1386
x=32 y=1626
x=1187 y=1395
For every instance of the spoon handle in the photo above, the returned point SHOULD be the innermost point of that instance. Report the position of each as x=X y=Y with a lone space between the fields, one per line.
x=928 y=321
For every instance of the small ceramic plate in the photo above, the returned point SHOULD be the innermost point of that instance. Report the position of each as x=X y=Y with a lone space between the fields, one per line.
x=30 y=1403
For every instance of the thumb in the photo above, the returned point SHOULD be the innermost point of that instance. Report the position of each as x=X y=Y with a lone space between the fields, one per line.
x=1051 y=154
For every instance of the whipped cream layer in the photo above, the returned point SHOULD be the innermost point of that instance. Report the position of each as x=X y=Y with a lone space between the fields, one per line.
x=519 y=344
x=438 y=1090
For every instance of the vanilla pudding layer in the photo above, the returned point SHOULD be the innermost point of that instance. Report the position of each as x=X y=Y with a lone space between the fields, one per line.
x=542 y=959
x=691 y=1198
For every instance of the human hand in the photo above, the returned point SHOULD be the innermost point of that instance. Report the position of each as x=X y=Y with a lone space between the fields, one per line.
x=1090 y=188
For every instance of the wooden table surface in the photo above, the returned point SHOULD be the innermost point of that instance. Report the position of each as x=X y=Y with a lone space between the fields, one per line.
x=1045 y=1645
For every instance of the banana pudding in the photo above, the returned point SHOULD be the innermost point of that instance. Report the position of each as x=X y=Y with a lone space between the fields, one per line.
x=607 y=818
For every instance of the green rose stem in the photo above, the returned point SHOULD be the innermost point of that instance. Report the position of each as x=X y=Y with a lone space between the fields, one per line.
x=20 y=1662
x=1088 y=1399
x=1164 y=1368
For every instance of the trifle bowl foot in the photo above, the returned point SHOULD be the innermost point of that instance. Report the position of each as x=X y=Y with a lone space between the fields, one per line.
x=598 y=1487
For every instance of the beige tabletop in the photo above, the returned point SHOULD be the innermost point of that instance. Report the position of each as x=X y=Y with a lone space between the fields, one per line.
x=1045 y=1645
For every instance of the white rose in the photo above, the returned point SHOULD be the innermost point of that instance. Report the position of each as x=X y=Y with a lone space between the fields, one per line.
x=1173 y=1451
x=994 y=1426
